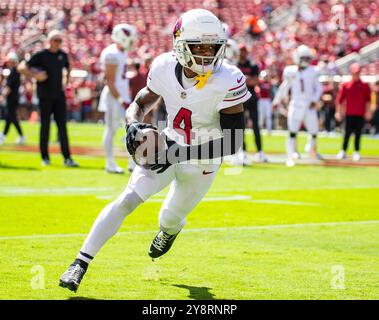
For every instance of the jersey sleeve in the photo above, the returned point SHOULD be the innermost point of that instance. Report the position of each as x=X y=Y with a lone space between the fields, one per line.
x=110 y=58
x=35 y=61
x=235 y=92
x=317 y=87
x=154 y=82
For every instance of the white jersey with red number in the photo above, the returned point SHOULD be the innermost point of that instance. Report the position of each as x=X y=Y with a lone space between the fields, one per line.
x=112 y=55
x=193 y=115
x=304 y=85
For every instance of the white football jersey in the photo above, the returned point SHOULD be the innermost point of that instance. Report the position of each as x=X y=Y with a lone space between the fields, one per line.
x=304 y=85
x=193 y=114
x=112 y=55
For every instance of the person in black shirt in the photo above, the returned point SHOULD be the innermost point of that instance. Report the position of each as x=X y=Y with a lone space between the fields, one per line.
x=11 y=93
x=251 y=71
x=46 y=66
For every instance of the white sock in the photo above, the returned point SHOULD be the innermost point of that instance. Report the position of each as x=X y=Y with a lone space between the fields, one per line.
x=291 y=147
x=109 y=221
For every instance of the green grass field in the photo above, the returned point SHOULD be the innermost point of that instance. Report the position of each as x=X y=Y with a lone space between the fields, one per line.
x=272 y=232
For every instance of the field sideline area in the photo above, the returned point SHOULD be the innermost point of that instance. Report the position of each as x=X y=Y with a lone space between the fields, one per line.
x=270 y=232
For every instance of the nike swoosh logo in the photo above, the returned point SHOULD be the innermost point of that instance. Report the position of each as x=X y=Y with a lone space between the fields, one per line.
x=207 y=172
x=240 y=79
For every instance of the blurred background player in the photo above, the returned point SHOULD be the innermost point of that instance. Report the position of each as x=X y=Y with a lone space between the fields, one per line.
x=306 y=90
x=251 y=71
x=265 y=101
x=232 y=52
x=353 y=103
x=47 y=66
x=115 y=96
x=11 y=93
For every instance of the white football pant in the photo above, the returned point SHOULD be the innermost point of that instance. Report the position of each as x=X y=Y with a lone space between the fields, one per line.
x=265 y=113
x=113 y=118
x=299 y=113
x=189 y=184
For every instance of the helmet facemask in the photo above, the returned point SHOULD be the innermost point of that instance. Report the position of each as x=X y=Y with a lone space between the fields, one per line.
x=304 y=61
x=207 y=63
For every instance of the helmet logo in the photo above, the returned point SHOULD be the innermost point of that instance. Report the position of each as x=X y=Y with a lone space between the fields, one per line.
x=177 y=28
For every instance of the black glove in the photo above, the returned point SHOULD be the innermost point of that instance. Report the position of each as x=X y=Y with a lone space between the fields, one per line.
x=131 y=133
x=172 y=155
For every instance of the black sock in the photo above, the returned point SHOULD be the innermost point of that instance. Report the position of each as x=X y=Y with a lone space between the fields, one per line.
x=82 y=263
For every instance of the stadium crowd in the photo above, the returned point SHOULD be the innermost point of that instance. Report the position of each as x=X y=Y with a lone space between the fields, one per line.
x=334 y=28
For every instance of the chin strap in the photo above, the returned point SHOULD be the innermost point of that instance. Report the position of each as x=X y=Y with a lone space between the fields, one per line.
x=202 y=79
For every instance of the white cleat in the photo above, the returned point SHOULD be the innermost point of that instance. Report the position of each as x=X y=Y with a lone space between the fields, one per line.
x=296 y=155
x=21 y=140
x=114 y=169
x=356 y=156
x=307 y=147
x=2 y=138
x=262 y=157
x=341 y=155
x=290 y=162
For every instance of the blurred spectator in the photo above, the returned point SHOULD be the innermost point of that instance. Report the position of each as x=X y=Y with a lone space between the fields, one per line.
x=353 y=103
x=328 y=107
x=46 y=66
x=251 y=71
x=265 y=101
x=375 y=118
x=254 y=26
x=11 y=92
x=85 y=93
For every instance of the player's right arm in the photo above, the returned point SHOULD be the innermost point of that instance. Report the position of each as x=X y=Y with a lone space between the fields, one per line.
x=110 y=77
x=283 y=89
x=143 y=103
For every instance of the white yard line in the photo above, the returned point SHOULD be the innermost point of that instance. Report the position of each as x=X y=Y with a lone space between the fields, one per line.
x=53 y=191
x=189 y=230
x=20 y=191
x=161 y=198
x=288 y=203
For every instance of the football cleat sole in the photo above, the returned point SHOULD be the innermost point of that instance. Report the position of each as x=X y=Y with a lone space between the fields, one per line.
x=71 y=286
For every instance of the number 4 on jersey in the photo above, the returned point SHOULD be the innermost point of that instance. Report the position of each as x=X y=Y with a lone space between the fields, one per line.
x=183 y=124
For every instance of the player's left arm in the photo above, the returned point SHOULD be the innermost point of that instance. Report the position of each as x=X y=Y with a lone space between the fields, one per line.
x=68 y=72
x=317 y=90
x=368 y=113
x=232 y=123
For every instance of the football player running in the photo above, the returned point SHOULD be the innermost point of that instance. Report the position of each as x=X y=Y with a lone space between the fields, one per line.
x=115 y=97
x=306 y=90
x=204 y=100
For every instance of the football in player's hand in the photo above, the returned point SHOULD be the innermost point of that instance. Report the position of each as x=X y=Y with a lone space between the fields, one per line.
x=150 y=142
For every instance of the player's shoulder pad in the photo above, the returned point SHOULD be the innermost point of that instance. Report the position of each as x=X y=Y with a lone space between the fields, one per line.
x=110 y=55
x=163 y=60
x=232 y=82
x=315 y=69
x=230 y=78
x=290 y=71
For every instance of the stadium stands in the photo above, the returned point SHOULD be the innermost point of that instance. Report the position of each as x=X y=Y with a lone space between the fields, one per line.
x=332 y=28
